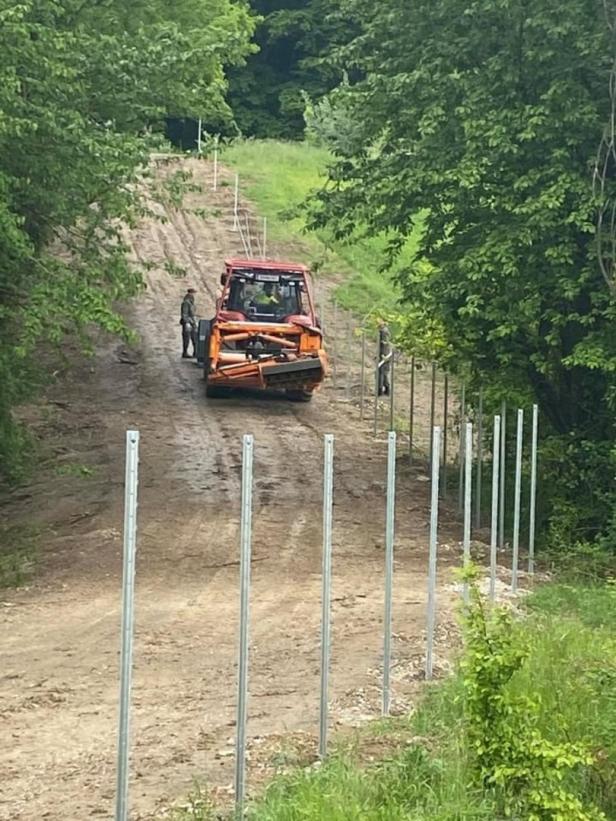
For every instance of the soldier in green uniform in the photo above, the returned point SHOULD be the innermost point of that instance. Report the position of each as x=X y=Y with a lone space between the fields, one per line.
x=188 y=321
x=384 y=352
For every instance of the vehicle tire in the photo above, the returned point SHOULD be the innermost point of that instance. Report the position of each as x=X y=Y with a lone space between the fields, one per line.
x=204 y=331
x=216 y=392
x=299 y=396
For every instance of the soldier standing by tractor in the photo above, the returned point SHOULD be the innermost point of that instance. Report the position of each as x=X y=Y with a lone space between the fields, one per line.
x=188 y=321
x=385 y=358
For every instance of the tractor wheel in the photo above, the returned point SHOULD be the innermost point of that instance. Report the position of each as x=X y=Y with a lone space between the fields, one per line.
x=203 y=345
x=299 y=396
x=216 y=392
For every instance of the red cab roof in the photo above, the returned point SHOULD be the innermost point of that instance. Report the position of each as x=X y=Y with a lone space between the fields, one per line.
x=265 y=265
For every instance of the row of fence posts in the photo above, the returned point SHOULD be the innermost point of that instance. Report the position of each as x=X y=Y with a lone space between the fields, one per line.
x=128 y=582
x=446 y=425
x=244 y=231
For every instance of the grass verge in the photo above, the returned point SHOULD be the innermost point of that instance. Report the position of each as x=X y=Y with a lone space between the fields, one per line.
x=278 y=177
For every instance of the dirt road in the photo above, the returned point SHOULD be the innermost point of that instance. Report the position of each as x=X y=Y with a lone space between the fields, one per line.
x=60 y=635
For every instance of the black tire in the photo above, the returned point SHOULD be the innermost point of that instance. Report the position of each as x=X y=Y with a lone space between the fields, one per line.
x=299 y=396
x=216 y=392
x=202 y=348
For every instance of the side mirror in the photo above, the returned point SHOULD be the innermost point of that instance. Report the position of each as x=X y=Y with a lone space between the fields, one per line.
x=223 y=279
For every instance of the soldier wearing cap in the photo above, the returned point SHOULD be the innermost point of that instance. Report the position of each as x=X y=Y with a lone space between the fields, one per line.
x=188 y=321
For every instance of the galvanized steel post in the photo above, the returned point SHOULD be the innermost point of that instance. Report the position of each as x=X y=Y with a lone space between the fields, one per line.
x=377 y=376
x=349 y=357
x=216 y=165
x=533 y=493
x=335 y=348
x=242 y=679
x=461 y=454
x=432 y=412
x=128 y=596
x=363 y=373
x=479 y=460
x=412 y=411
x=389 y=567
x=468 y=489
x=494 y=523
x=445 y=426
x=431 y=610
x=503 y=457
x=517 y=500
x=328 y=501
x=236 y=204
x=392 y=390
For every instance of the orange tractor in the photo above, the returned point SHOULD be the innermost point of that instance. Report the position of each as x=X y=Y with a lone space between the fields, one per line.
x=265 y=333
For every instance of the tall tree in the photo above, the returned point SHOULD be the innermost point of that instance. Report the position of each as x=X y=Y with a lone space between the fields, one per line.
x=293 y=36
x=81 y=82
x=485 y=117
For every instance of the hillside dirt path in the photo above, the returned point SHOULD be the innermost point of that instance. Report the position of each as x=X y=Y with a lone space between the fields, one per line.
x=59 y=645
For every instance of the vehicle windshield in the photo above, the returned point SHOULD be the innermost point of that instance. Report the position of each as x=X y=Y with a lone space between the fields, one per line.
x=267 y=296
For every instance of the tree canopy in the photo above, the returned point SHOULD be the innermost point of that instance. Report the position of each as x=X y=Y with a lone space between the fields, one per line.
x=485 y=118
x=82 y=85
x=293 y=38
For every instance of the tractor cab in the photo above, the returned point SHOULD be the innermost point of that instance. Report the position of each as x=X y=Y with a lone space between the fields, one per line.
x=266 y=295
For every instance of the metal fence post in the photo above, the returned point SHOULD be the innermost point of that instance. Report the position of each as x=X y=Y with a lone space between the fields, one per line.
x=242 y=679
x=432 y=412
x=479 y=460
x=533 y=493
x=335 y=347
x=377 y=375
x=328 y=497
x=363 y=373
x=128 y=597
x=445 y=420
x=503 y=457
x=236 y=204
x=216 y=165
x=468 y=490
x=389 y=567
x=461 y=454
x=412 y=411
x=516 y=503
x=347 y=381
x=392 y=390
x=431 y=610
x=494 y=522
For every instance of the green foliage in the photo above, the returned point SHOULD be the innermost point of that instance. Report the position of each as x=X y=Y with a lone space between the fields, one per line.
x=511 y=734
x=293 y=36
x=486 y=118
x=526 y=770
x=279 y=177
x=82 y=84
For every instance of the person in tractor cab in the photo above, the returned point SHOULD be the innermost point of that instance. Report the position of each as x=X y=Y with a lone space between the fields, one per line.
x=268 y=299
x=188 y=321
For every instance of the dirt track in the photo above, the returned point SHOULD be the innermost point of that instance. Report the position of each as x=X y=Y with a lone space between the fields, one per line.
x=58 y=668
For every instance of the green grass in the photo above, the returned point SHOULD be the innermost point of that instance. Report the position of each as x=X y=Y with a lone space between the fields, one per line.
x=278 y=177
x=425 y=769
